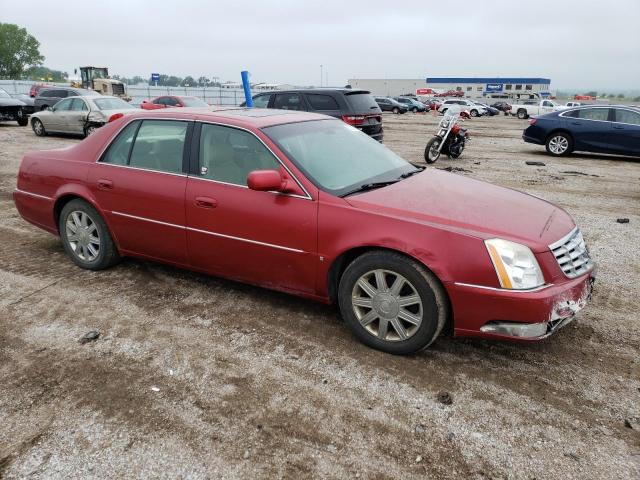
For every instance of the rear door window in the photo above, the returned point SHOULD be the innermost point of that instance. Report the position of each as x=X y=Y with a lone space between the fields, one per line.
x=118 y=151
x=322 y=102
x=601 y=114
x=63 y=105
x=159 y=145
x=60 y=94
x=289 y=101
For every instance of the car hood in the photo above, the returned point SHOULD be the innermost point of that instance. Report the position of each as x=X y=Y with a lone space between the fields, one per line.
x=11 y=102
x=474 y=207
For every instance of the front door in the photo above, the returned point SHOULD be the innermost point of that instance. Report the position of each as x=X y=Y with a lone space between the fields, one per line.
x=265 y=238
x=140 y=183
x=591 y=129
x=625 y=138
x=56 y=120
x=76 y=118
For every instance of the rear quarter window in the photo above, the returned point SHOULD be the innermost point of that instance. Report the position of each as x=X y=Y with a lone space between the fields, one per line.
x=362 y=102
x=322 y=102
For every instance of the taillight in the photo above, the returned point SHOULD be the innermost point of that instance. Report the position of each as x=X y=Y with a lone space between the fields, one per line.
x=115 y=116
x=353 y=119
x=533 y=121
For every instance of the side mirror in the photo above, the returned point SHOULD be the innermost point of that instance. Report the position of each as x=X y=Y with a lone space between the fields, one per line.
x=266 y=180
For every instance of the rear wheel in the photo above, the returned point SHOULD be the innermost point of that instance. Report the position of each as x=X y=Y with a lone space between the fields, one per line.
x=85 y=236
x=474 y=113
x=414 y=109
x=559 y=144
x=392 y=303
x=431 y=151
x=90 y=130
x=395 y=110
x=38 y=127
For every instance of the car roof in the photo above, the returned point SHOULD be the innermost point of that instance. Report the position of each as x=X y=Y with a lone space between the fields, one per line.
x=234 y=116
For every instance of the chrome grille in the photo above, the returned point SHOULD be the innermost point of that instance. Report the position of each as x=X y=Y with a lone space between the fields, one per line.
x=572 y=254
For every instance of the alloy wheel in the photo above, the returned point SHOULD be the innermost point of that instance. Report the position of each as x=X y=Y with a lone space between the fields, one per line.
x=558 y=145
x=387 y=305
x=83 y=235
x=38 y=127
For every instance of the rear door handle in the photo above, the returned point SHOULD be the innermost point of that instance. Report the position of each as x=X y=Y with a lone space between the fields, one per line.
x=205 y=202
x=576 y=123
x=618 y=127
x=105 y=184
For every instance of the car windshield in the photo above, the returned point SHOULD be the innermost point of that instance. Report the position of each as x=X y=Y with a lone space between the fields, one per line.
x=337 y=157
x=193 y=102
x=111 y=104
x=4 y=94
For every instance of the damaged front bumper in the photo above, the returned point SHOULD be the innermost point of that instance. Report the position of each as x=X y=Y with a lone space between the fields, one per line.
x=532 y=315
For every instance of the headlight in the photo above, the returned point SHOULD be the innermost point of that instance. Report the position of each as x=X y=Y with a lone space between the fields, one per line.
x=515 y=264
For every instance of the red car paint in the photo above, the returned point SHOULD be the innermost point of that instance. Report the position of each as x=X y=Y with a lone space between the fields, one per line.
x=294 y=242
x=154 y=105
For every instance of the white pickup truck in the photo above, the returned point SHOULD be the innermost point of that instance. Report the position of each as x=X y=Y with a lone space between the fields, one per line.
x=532 y=107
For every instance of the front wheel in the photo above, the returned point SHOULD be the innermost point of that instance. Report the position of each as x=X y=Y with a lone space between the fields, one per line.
x=414 y=109
x=559 y=144
x=522 y=114
x=85 y=236
x=392 y=303
x=38 y=127
x=432 y=150
x=395 y=110
x=474 y=113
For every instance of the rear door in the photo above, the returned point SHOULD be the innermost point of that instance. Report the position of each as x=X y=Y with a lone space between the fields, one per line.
x=591 y=128
x=75 y=118
x=625 y=132
x=140 y=182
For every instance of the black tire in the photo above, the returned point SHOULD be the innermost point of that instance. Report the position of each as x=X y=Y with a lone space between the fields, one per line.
x=90 y=130
x=395 y=110
x=108 y=253
x=443 y=111
x=474 y=113
x=23 y=122
x=561 y=139
x=522 y=114
x=38 y=127
x=414 y=109
x=430 y=143
x=434 y=305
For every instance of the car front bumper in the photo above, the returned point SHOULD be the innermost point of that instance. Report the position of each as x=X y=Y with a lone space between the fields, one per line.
x=518 y=315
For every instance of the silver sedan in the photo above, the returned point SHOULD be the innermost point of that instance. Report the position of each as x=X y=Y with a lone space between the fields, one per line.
x=79 y=115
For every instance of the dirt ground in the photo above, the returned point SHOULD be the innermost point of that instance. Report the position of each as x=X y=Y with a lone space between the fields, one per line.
x=198 y=377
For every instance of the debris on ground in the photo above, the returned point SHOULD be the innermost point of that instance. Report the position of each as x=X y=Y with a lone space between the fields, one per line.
x=622 y=220
x=455 y=169
x=538 y=164
x=575 y=172
x=419 y=429
x=91 y=336
x=445 y=398
x=632 y=423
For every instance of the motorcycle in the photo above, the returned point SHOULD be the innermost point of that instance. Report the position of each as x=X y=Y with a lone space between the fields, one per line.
x=451 y=137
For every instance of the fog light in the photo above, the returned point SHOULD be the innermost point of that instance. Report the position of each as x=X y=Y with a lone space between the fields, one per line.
x=513 y=329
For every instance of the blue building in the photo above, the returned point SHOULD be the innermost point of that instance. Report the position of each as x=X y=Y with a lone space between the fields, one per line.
x=479 y=86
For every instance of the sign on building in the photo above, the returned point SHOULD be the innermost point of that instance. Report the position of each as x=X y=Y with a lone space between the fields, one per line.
x=494 y=87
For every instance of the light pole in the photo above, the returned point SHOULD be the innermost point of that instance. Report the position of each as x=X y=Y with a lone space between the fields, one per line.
x=320 y=74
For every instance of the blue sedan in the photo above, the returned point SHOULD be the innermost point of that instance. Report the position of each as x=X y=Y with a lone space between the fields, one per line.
x=599 y=129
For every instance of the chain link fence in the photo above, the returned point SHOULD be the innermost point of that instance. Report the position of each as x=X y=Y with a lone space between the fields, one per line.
x=138 y=93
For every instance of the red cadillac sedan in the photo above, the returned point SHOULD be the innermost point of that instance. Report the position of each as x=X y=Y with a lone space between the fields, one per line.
x=306 y=204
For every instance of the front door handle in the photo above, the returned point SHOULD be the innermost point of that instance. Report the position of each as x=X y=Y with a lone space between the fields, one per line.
x=618 y=127
x=205 y=202
x=105 y=184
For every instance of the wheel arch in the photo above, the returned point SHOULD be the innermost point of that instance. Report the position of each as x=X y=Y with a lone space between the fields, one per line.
x=559 y=130
x=342 y=261
x=67 y=195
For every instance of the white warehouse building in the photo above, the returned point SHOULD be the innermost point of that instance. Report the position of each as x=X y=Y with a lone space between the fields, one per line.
x=470 y=86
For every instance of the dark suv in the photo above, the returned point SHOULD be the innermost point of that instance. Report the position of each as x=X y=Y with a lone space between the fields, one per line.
x=355 y=107
x=48 y=97
x=387 y=104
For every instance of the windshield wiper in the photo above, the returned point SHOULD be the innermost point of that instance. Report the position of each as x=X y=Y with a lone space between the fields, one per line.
x=408 y=174
x=370 y=186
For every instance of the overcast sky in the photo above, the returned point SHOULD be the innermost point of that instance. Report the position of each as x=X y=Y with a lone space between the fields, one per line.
x=577 y=43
